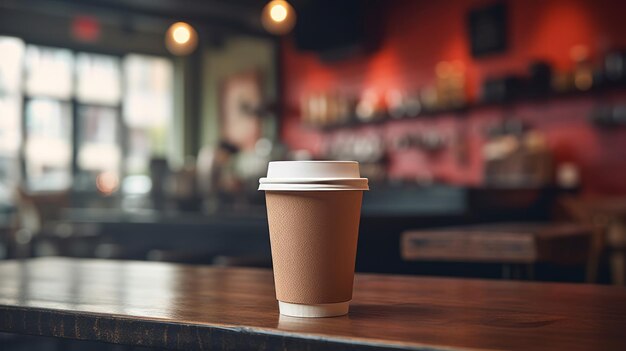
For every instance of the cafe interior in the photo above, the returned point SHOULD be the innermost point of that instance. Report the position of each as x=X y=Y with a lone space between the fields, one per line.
x=492 y=133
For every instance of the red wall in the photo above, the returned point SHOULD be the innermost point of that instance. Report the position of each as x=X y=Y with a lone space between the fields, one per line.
x=419 y=34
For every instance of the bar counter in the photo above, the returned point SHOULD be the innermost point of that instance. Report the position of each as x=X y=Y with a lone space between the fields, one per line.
x=210 y=308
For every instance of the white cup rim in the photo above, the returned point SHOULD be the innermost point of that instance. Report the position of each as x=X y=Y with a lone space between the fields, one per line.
x=313 y=184
x=307 y=176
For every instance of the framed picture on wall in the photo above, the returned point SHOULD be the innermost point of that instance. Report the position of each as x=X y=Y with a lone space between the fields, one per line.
x=241 y=97
x=488 y=32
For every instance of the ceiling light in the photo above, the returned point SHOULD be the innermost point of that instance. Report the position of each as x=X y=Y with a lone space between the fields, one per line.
x=278 y=17
x=181 y=39
x=278 y=13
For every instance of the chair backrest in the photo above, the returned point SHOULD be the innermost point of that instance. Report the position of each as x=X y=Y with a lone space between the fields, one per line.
x=34 y=209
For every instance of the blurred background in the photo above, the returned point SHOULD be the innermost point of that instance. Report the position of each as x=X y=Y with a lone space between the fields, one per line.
x=493 y=132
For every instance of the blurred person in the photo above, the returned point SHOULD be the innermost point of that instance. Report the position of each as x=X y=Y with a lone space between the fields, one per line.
x=183 y=186
x=216 y=174
x=159 y=172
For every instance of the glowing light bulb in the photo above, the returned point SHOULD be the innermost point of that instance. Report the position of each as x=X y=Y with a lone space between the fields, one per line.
x=278 y=17
x=181 y=39
x=278 y=12
x=181 y=35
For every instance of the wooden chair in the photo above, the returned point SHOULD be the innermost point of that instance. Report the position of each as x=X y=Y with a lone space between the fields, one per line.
x=33 y=210
x=607 y=217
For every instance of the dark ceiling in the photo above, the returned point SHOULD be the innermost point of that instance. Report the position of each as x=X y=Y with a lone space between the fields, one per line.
x=213 y=15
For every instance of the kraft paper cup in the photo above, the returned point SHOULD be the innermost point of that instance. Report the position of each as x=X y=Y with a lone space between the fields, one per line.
x=313 y=212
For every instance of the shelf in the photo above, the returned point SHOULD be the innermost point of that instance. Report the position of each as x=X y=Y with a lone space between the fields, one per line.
x=353 y=121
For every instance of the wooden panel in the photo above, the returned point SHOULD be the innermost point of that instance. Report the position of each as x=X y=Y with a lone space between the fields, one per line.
x=502 y=243
x=195 y=308
x=463 y=246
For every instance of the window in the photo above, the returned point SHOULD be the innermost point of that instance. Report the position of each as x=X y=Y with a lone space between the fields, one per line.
x=48 y=147
x=11 y=59
x=10 y=125
x=148 y=109
x=70 y=104
x=99 y=145
x=49 y=72
x=48 y=86
x=98 y=79
x=12 y=50
x=98 y=96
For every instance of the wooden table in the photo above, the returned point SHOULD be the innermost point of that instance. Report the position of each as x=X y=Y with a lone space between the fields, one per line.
x=510 y=244
x=206 y=308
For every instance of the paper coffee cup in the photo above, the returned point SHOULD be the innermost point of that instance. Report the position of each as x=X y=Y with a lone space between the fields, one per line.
x=313 y=212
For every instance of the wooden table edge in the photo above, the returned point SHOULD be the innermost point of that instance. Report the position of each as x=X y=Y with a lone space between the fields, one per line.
x=226 y=334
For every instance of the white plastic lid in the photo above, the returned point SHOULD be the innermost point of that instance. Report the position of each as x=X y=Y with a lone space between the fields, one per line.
x=313 y=176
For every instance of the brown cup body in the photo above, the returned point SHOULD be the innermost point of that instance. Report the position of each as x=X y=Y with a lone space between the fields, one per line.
x=313 y=237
